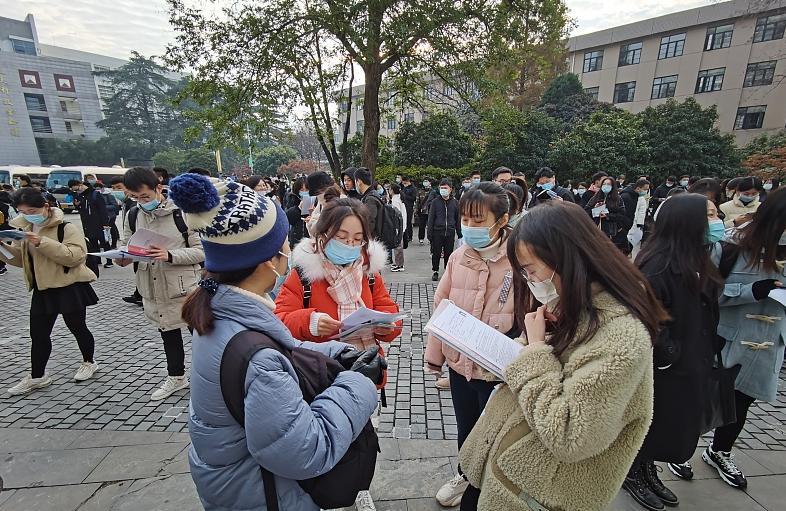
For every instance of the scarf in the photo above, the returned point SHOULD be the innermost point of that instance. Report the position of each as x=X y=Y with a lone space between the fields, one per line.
x=345 y=285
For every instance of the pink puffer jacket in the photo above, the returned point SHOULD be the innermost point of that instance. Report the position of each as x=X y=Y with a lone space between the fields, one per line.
x=484 y=289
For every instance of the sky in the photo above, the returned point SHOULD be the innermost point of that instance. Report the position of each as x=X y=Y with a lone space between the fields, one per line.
x=116 y=27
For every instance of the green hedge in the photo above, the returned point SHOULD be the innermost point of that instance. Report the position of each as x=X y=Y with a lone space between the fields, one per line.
x=389 y=173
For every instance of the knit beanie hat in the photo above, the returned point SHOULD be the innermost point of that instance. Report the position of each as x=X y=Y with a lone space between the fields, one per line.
x=239 y=228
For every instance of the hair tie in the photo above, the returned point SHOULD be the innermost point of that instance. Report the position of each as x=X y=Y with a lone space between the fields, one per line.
x=209 y=285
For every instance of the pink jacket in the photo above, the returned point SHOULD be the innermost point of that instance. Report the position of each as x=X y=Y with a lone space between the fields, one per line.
x=477 y=287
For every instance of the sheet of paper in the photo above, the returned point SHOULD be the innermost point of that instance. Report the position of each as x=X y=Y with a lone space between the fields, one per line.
x=779 y=295
x=12 y=235
x=368 y=316
x=596 y=212
x=143 y=239
x=121 y=253
x=306 y=205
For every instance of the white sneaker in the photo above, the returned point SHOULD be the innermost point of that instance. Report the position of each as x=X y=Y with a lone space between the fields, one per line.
x=85 y=371
x=443 y=383
x=451 y=492
x=29 y=384
x=171 y=385
x=364 y=502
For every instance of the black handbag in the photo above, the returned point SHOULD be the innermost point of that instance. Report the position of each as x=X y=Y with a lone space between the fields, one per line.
x=719 y=408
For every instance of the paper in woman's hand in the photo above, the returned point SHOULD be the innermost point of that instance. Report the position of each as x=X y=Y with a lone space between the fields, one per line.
x=12 y=235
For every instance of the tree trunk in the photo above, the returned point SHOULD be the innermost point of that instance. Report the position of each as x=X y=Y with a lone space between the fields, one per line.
x=371 y=115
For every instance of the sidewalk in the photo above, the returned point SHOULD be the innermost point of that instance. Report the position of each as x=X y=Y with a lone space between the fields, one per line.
x=103 y=445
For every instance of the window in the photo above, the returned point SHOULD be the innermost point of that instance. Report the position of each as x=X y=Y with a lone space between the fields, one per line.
x=593 y=92
x=64 y=83
x=630 y=54
x=23 y=47
x=40 y=125
x=391 y=124
x=749 y=117
x=623 y=92
x=30 y=79
x=671 y=46
x=35 y=102
x=409 y=117
x=69 y=127
x=359 y=126
x=447 y=90
x=718 y=37
x=769 y=28
x=593 y=61
x=664 y=87
x=63 y=106
x=759 y=73
x=710 y=80
x=359 y=106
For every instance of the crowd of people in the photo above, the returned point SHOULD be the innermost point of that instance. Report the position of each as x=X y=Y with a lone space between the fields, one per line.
x=649 y=317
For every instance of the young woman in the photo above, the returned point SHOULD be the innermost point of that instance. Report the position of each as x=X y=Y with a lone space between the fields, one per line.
x=516 y=201
x=443 y=225
x=478 y=279
x=282 y=433
x=614 y=223
x=398 y=252
x=55 y=271
x=752 y=324
x=338 y=264
x=676 y=261
x=744 y=203
x=576 y=405
x=769 y=186
x=322 y=186
x=297 y=226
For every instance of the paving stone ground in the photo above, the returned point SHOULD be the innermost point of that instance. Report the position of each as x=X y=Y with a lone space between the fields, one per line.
x=103 y=444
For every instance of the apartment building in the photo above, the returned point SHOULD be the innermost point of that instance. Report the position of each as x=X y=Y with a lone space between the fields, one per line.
x=730 y=54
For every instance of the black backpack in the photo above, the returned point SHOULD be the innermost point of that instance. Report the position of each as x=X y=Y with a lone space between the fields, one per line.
x=112 y=207
x=390 y=224
x=339 y=486
x=177 y=216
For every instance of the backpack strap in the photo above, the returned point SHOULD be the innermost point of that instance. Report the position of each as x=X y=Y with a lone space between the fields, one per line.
x=306 y=287
x=177 y=216
x=131 y=217
x=60 y=238
x=232 y=376
x=372 y=279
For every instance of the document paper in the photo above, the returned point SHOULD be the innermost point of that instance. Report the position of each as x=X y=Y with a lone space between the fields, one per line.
x=486 y=346
x=138 y=246
x=366 y=318
x=779 y=295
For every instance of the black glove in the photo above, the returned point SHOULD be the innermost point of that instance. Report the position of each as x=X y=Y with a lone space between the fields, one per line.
x=762 y=288
x=348 y=357
x=371 y=365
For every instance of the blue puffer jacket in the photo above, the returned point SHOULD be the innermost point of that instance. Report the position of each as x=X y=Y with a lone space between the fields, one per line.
x=283 y=433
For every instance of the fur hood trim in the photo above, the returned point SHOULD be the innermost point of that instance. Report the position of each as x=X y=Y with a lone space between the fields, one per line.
x=305 y=257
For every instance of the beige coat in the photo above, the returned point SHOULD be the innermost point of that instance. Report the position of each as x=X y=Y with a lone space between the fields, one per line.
x=564 y=431
x=51 y=258
x=164 y=285
x=475 y=286
x=734 y=209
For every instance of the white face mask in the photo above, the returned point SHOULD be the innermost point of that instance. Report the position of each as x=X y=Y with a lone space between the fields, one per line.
x=545 y=292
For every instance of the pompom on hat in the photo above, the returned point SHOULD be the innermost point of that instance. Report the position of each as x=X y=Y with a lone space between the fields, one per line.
x=239 y=228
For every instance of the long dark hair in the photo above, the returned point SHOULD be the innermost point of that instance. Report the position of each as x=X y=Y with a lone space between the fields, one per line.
x=563 y=236
x=612 y=198
x=758 y=240
x=334 y=213
x=196 y=311
x=678 y=241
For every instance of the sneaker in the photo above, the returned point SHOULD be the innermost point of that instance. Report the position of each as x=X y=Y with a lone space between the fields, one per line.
x=3 y=270
x=636 y=486
x=420 y=241
x=451 y=492
x=443 y=383
x=135 y=299
x=681 y=470
x=171 y=385
x=397 y=268
x=108 y=264
x=727 y=469
x=656 y=485
x=364 y=502
x=85 y=371
x=435 y=276
x=29 y=384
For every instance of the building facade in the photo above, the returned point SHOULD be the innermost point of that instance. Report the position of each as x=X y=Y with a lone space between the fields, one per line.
x=730 y=54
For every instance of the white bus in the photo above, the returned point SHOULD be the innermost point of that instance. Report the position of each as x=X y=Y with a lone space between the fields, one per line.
x=9 y=173
x=58 y=179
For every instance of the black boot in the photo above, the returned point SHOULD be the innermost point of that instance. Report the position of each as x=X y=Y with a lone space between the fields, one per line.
x=636 y=485
x=656 y=485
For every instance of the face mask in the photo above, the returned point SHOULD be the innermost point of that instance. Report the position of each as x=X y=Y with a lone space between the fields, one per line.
x=747 y=199
x=643 y=193
x=476 y=237
x=730 y=193
x=16 y=183
x=341 y=253
x=150 y=206
x=91 y=182
x=716 y=231
x=767 y=186
x=444 y=192
x=398 y=180
x=426 y=184
x=605 y=188
x=304 y=195
x=544 y=292
x=581 y=191
x=466 y=185
x=119 y=195
x=683 y=183
x=669 y=185
x=280 y=278
x=547 y=186
x=35 y=219
x=476 y=181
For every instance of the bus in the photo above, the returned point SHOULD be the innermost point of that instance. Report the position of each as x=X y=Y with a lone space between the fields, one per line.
x=9 y=173
x=57 y=182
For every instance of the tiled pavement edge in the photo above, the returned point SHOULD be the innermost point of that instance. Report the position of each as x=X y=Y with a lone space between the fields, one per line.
x=104 y=445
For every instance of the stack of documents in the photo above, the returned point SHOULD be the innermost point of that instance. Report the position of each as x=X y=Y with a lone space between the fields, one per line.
x=138 y=248
x=486 y=346
x=366 y=318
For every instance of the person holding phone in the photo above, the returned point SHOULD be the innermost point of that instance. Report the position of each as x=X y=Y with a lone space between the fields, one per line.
x=546 y=189
x=607 y=210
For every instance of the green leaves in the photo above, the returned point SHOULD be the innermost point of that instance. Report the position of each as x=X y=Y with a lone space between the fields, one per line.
x=516 y=139
x=437 y=141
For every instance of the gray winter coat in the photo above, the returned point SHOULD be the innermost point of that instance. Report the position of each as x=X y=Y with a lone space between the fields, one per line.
x=283 y=433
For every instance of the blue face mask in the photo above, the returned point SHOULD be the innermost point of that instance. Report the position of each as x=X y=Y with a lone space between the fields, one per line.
x=605 y=188
x=281 y=278
x=715 y=231
x=476 y=237
x=119 y=195
x=444 y=192
x=150 y=206
x=304 y=195
x=35 y=219
x=341 y=253
x=547 y=186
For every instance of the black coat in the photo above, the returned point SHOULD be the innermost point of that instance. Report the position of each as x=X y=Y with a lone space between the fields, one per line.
x=92 y=211
x=538 y=195
x=630 y=197
x=689 y=342
x=443 y=216
x=617 y=224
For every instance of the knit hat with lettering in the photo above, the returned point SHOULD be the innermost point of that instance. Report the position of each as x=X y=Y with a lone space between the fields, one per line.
x=239 y=228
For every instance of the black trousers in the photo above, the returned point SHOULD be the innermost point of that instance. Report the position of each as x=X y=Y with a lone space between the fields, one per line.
x=725 y=436
x=469 y=400
x=441 y=243
x=408 y=228
x=469 y=502
x=94 y=244
x=41 y=326
x=422 y=221
x=174 y=351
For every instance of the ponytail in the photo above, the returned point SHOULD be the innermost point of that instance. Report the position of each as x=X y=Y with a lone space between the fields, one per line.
x=197 y=310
